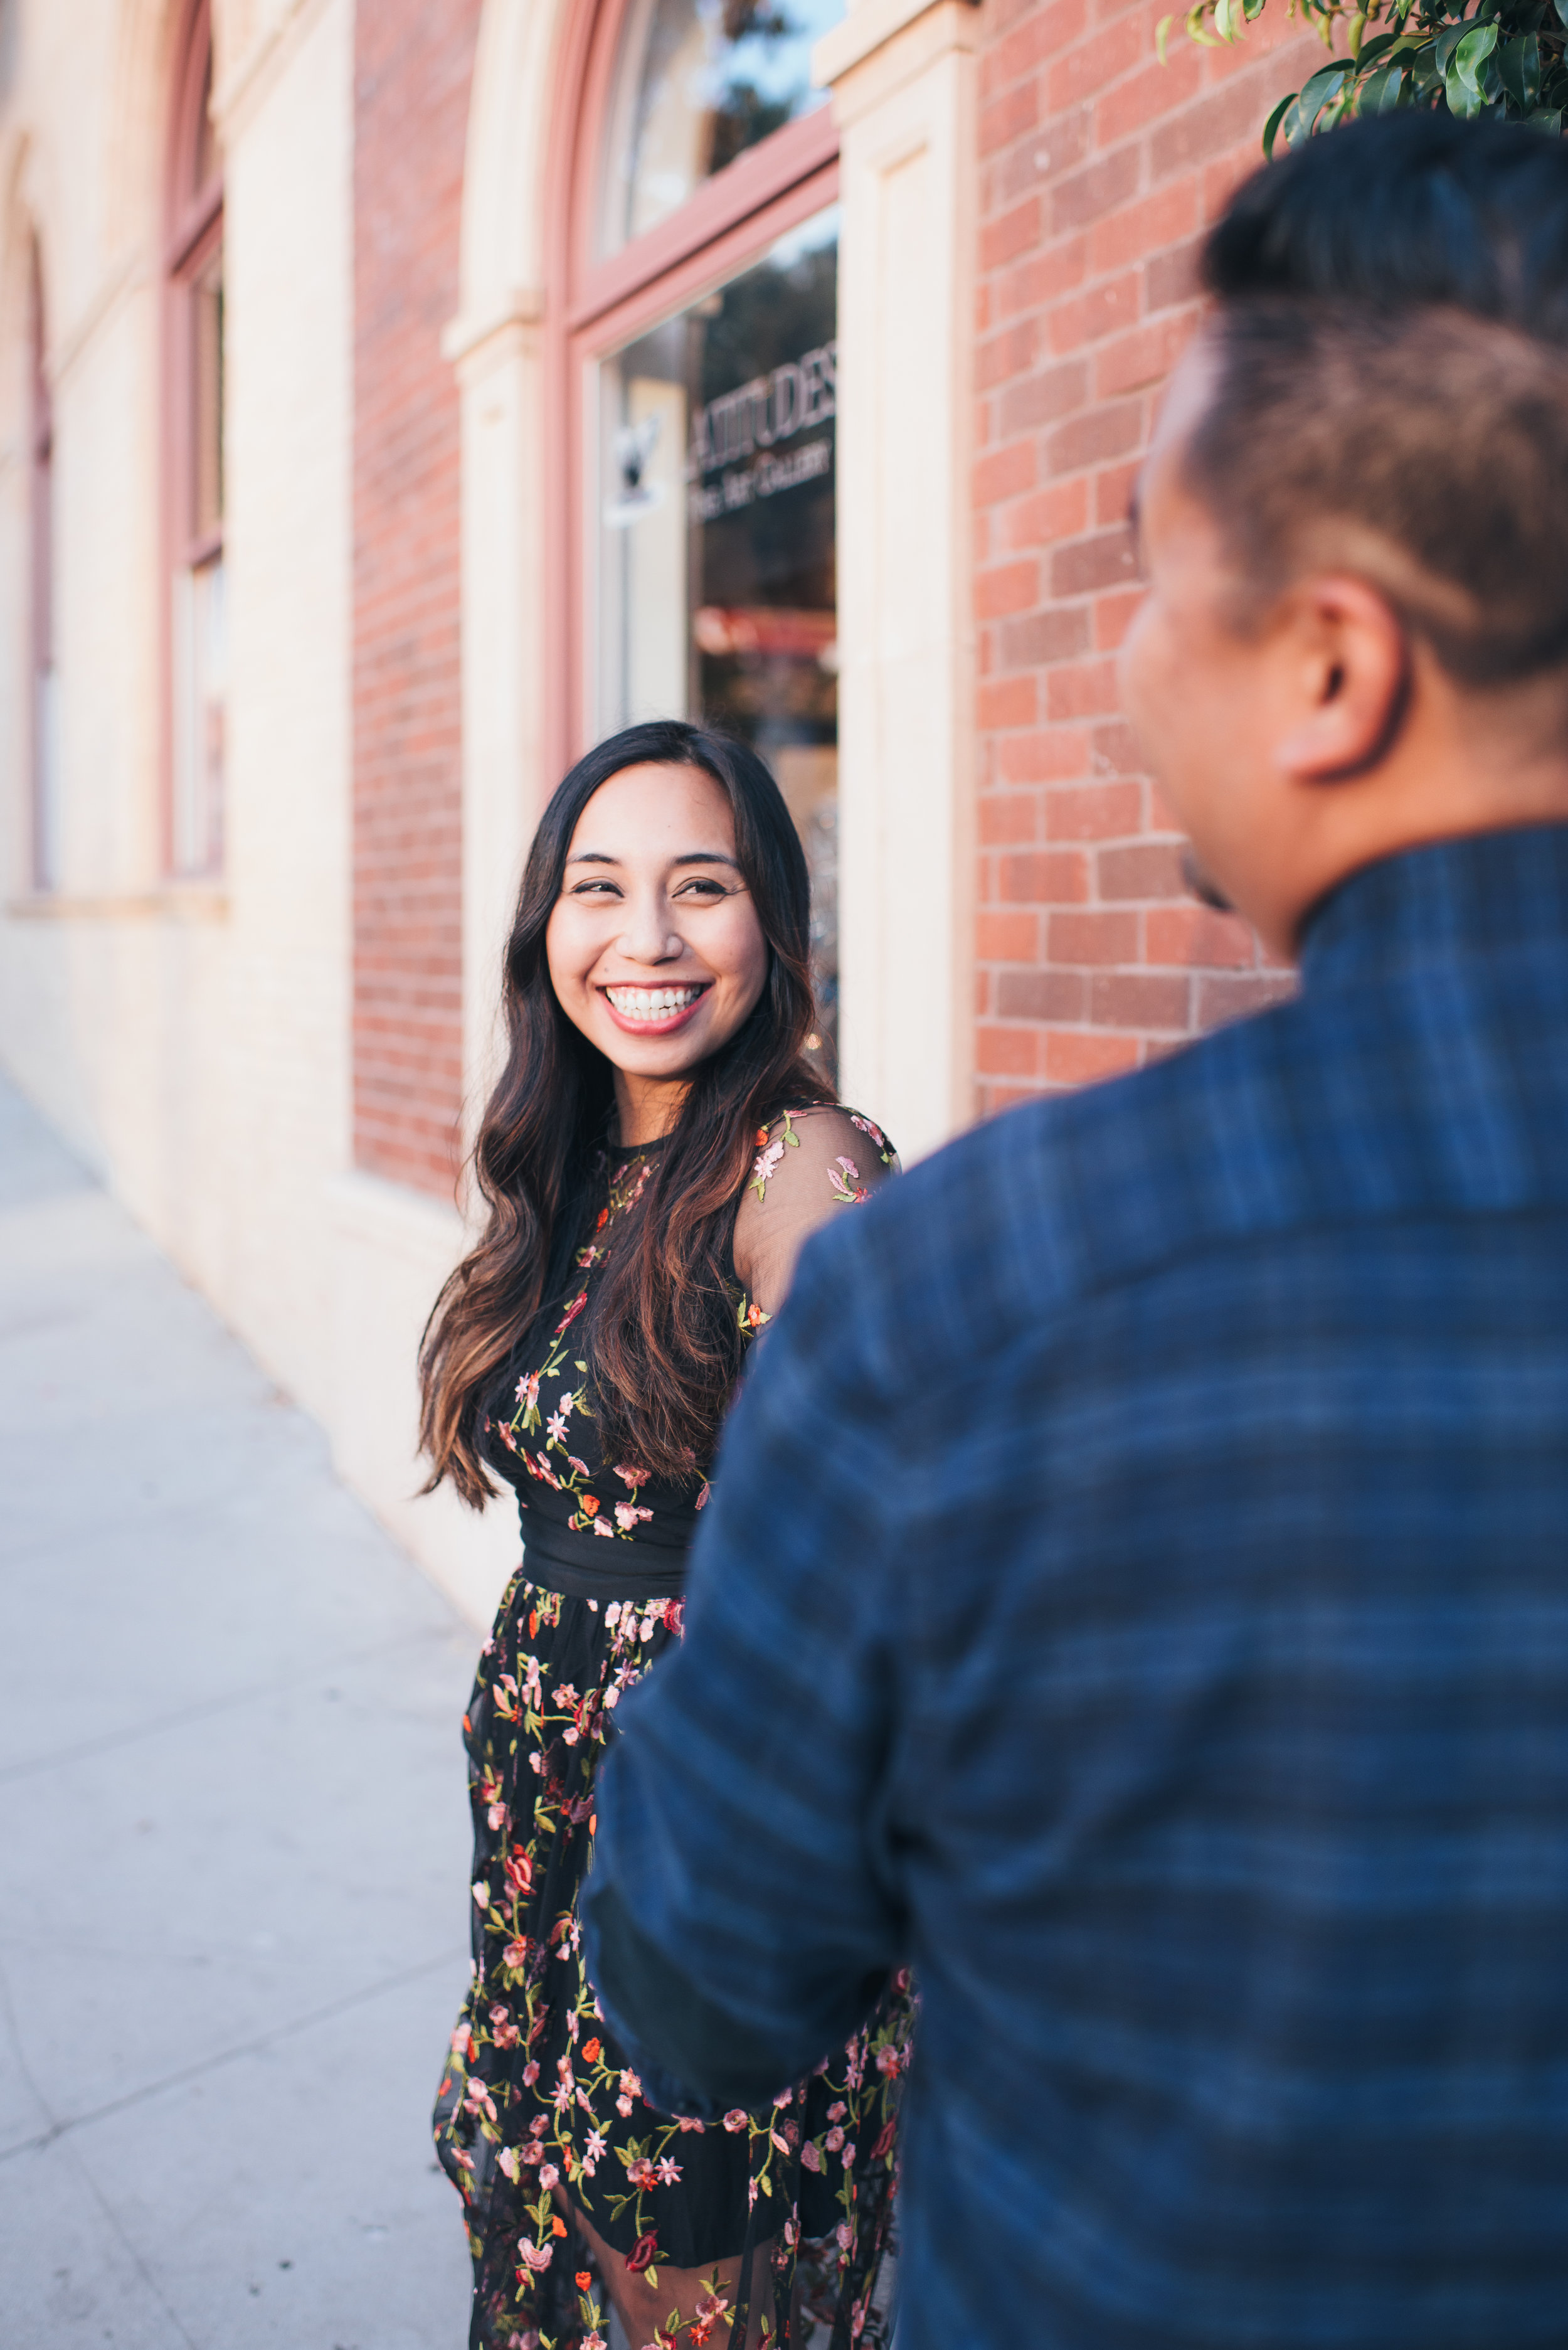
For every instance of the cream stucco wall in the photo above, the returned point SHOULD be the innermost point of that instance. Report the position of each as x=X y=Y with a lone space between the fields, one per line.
x=193 y=1042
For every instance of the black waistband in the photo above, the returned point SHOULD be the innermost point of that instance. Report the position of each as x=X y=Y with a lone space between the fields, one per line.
x=589 y=1566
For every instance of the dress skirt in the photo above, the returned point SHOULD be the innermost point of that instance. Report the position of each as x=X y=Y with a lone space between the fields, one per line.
x=539 y=2114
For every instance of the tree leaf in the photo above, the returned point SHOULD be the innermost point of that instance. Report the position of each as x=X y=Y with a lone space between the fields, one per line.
x=1472 y=54
x=1380 y=91
x=1272 y=127
x=1464 y=98
x=1446 y=42
x=1162 y=35
x=1318 y=92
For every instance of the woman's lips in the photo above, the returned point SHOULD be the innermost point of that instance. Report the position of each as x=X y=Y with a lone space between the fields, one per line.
x=667 y=1008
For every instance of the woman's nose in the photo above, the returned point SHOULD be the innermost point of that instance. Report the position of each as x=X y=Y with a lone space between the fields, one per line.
x=647 y=936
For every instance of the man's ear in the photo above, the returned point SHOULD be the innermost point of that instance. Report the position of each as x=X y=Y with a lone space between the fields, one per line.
x=1348 y=670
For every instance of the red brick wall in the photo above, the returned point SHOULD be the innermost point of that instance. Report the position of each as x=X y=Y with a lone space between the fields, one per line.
x=1099 y=170
x=412 y=70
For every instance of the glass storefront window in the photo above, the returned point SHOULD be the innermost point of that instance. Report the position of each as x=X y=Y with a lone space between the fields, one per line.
x=716 y=593
x=697 y=83
x=200 y=690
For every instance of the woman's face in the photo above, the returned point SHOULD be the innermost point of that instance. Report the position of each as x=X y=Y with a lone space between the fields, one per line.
x=654 y=946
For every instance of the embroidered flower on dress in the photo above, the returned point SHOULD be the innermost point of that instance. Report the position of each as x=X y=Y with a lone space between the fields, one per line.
x=844 y=1182
x=867 y=1125
x=572 y=1312
x=768 y=1157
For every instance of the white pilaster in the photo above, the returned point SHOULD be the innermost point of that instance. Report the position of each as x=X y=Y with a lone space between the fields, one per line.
x=903 y=80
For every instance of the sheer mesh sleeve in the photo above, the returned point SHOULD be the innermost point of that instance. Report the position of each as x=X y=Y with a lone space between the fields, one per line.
x=814 y=1164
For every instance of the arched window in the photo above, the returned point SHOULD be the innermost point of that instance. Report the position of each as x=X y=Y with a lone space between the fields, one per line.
x=44 y=758
x=700 y=377
x=198 y=648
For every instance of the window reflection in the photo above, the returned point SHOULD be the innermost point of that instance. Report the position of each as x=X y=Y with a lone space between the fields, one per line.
x=697 y=82
x=716 y=591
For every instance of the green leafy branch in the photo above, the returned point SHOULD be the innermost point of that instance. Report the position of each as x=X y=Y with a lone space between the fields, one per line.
x=1503 y=58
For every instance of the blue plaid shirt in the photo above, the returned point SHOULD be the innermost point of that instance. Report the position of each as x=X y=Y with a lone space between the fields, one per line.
x=1135 y=1593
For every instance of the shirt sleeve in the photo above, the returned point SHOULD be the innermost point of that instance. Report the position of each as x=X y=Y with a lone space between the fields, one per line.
x=811 y=1165
x=742 y=1913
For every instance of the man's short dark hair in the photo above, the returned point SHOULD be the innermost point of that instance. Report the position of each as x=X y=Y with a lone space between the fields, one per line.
x=1392 y=382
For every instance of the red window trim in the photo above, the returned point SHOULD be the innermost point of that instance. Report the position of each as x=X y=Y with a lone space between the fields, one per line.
x=193 y=233
x=188 y=548
x=41 y=562
x=595 y=304
x=189 y=212
x=753 y=182
x=717 y=261
x=194 y=228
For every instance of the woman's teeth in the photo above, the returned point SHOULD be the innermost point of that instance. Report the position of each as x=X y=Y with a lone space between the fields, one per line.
x=652 y=1002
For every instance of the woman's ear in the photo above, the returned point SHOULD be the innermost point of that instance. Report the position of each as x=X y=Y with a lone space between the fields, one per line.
x=1346 y=667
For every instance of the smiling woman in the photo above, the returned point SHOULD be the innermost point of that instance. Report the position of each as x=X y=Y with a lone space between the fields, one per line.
x=654 y=946
x=655 y=1154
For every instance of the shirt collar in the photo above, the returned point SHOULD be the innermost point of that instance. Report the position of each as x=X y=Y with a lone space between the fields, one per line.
x=1487 y=892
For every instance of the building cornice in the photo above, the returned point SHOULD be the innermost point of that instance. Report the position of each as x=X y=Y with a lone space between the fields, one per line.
x=870 y=24
x=474 y=335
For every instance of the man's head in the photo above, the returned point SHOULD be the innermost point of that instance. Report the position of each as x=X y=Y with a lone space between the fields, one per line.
x=1354 y=514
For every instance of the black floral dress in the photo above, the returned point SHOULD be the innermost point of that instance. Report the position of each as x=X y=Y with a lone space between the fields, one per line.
x=539 y=2114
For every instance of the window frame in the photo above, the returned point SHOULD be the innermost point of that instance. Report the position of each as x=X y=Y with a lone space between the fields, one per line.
x=601 y=303
x=194 y=238
x=43 y=747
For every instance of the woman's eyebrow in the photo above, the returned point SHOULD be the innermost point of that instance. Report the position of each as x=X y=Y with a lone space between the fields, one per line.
x=689 y=857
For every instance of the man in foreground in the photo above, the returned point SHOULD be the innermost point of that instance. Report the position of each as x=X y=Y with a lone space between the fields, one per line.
x=1152 y=1624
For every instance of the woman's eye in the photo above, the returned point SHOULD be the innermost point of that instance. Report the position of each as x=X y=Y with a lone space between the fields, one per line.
x=595 y=890
x=700 y=886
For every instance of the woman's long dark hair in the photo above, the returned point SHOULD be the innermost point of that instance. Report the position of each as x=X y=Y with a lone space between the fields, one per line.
x=666 y=1346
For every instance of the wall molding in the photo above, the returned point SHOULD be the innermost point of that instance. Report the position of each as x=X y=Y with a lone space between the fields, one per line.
x=904 y=92
x=178 y=902
x=471 y=335
x=869 y=25
x=496 y=344
x=255 y=41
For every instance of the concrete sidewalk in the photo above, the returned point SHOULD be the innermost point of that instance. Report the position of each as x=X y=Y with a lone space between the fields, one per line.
x=232 y=1831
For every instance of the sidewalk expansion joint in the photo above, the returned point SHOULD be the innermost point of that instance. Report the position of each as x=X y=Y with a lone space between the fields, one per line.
x=252 y=2047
